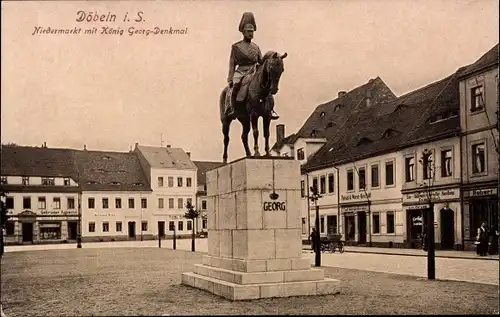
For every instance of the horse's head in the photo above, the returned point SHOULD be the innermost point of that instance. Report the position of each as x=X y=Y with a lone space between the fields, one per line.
x=274 y=67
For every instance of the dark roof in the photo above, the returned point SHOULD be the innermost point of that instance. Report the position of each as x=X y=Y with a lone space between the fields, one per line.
x=279 y=144
x=110 y=171
x=327 y=118
x=165 y=157
x=488 y=60
x=388 y=126
x=203 y=168
x=37 y=161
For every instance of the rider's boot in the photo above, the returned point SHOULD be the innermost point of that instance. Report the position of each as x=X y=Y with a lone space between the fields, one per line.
x=231 y=112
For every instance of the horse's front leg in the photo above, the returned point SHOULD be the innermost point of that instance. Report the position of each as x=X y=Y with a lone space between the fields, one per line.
x=225 y=131
x=254 y=119
x=267 y=123
x=244 y=134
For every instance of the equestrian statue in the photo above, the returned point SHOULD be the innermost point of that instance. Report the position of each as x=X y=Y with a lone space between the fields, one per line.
x=252 y=81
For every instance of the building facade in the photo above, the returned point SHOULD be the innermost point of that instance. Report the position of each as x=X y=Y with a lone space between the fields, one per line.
x=479 y=144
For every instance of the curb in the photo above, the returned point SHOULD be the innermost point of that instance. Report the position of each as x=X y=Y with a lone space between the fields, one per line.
x=420 y=255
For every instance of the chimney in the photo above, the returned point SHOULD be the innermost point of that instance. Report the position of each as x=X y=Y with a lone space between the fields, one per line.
x=368 y=98
x=341 y=93
x=280 y=132
x=85 y=147
x=44 y=144
x=136 y=145
x=189 y=154
x=168 y=145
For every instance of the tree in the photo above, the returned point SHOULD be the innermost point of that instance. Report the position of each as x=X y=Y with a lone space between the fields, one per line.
x=192 y=213
x=3 y=219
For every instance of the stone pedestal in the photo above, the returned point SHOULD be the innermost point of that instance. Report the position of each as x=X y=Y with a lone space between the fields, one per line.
x=254 y=238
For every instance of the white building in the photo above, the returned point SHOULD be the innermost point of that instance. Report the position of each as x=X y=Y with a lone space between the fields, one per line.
x=173 y=180
x=42 y=194
x=201 y=194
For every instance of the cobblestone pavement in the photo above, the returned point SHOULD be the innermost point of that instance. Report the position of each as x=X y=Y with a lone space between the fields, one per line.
x=458 y=269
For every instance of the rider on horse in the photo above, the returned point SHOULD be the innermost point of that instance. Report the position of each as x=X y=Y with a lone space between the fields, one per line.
x=245 y=56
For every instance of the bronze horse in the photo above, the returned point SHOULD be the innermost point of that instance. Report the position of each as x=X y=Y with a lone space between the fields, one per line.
x=258 y=103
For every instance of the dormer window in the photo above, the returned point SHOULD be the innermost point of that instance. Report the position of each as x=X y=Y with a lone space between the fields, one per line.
x=106 y=158
x=26 y=180
x=49 y=181
x=389 y=133
x=91 y=182
x=313 y=133
x=3 y=180
x=67 y=181
x=363 y=140
x=138 y=184
x=337 y=107
x=329 y=125
x=115 y=183
x=322 y=114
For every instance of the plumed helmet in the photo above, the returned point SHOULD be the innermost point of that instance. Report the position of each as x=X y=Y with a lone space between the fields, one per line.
x=247 y=22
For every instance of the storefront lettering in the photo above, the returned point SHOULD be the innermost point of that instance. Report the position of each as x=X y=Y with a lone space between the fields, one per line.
x=356 y=196
x=417 y=221
x=274 y=206
x=434 y=195
x=354 y=208
x=58 y=212
x=104 y=214
x=483 y=192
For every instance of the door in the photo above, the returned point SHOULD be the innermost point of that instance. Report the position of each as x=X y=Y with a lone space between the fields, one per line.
x=350 y=233
x=362 y=227
x=72 y=230
x=131 y=229
x=416 y=228
x=447 y=229
x=27 y=231
x=161 y=228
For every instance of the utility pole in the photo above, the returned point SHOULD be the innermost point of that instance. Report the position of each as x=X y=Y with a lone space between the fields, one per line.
x=429 y=168
x=317 y=247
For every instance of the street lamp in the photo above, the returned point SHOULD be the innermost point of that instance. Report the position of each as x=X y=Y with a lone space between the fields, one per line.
x=79 y=231
x=429 y=173
x=314 y=197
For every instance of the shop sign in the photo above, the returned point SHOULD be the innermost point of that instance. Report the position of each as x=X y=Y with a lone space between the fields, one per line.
x=417 y=220
x=103 y=214
x=417 y=207
x=354 y=208
x=435 y=195
x=58 y=212
x=482 y=192
x=360 y=196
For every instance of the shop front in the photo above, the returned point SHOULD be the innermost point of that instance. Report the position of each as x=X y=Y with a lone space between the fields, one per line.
x=480 y=205
x=447 y=218
x=354 y=223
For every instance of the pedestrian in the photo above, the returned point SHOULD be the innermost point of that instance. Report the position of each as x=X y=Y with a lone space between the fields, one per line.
x=313 y=239
x=482 y=239
x=493 y=249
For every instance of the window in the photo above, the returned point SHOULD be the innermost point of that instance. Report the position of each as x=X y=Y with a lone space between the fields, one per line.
x=362 y=177
x=375 y=176
x=67 y=182
x=26 y=180
x=322 y=184
x=350 y=180
x=180 y=225
x=476 y=97
x=179 y=181
x=376 y=223
x=91 y=203
x=56 y=202
x=144 y=203
x=105 y=226
x=189 y=201
x=3 y=180
x=203 y=204
x=42 y=204
x=300 y=154
x=390 y=222
x=204 y=224
x=26 y=202
x=160 y=181
x=160 y=203
x=315 y=182
x=410 y=169
x=188 y=182
x=171 y=203
x=71 y=203
x=331 y=224
x=91 y=226
x=389 y=173
x=304 y=227
x=118 y=203
x=427 y=165
x=189 y=225
x=144 y=225
x=322 y=224
x=105 y=203
x=118 y=226
x=10 y=228
x=446 y=163
x=478 y=158
x=131 y=203
x=9 y=203
x=170 y=181
x=171 y=226
x=180 y=203
x=331 y=183
x=302 y=188
x=48 y=181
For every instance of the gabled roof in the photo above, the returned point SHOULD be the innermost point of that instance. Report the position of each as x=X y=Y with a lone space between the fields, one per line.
x=166 y=157
x=408 y=115
x=488 y=60
x=327 y=118
x=110 y=171
x=203 y=168
x=37 y=161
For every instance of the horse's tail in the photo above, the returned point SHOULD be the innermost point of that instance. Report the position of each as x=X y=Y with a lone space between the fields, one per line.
x=222 y=103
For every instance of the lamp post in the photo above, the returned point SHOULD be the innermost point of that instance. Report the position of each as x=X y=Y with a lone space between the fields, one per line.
x=314 y=197
x=429 y=171
x=79 y=230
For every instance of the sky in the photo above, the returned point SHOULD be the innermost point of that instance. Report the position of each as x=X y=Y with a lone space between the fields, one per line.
x=109 y=91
